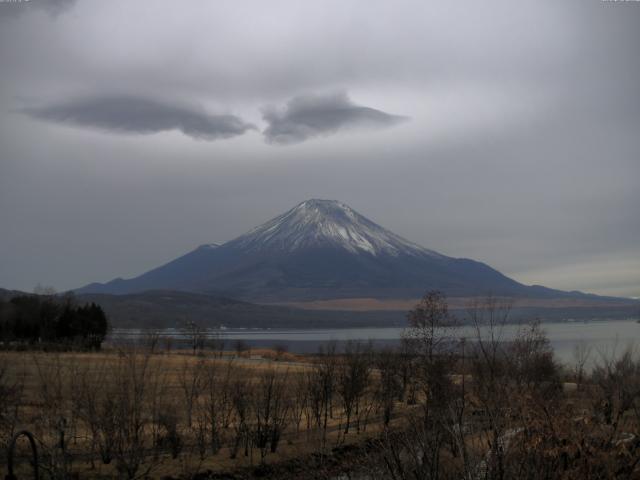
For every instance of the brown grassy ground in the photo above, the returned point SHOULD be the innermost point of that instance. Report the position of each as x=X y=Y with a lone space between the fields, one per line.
x=405 y=304
x=50 y=380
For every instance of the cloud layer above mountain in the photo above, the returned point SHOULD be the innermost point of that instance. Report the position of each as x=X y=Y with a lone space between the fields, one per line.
x=124 y=114
x=12 y=8
x=309 y=116
x=521 y=150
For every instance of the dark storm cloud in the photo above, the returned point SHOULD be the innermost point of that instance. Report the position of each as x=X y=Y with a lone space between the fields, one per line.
x=52 y=7
x=315 y=115
x=141 y=116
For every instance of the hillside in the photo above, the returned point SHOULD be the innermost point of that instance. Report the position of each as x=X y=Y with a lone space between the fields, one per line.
x=166 y=309
x=321 y=250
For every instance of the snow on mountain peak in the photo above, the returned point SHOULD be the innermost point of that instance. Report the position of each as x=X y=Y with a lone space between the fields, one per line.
x=210 y=246
x=326 y=223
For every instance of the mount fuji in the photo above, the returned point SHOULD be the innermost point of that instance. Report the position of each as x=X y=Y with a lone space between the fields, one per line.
x=320 y=250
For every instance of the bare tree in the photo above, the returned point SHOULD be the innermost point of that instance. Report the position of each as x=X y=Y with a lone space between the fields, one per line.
x=94 y=408
x=11 y=399
x=488 y=368
x=581 y=355
x=431 y=326
x=531 y=359
x=241 y=347
x=281 y=349
x=195 y=335
x=53 y=381
x=216 y=404
x=618 y=379
x=44 y=290
x=191 y=381
x=300 y=402
x=322 y=388
x=353 y=372
x=240 y=397
x=215 y=342
x=270 y=407
x=135 y=389
x=389 y=385
x=151 y=340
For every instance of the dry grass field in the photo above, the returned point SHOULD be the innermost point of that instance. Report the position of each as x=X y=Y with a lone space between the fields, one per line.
x=436 y=407
x=129 y=413
x=455 y=303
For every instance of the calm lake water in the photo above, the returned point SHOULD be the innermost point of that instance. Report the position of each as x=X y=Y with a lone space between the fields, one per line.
x=603 y=337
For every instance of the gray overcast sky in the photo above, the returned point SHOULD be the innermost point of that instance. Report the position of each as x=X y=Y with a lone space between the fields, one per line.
x=507 y=132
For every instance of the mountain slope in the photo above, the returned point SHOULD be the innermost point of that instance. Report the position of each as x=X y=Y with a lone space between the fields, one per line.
x=170 y=309
x=173 y=309
x=321 y=249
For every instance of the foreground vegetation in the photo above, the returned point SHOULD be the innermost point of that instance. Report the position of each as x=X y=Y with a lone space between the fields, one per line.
x=438 y=407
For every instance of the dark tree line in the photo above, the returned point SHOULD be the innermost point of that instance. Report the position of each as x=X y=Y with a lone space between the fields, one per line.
x=37 y=319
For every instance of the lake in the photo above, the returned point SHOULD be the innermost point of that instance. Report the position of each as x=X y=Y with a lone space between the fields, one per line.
x=603 y=337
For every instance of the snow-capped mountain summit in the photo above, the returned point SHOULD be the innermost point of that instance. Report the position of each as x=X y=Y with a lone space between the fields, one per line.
x=320 y=249
x=326 y=223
